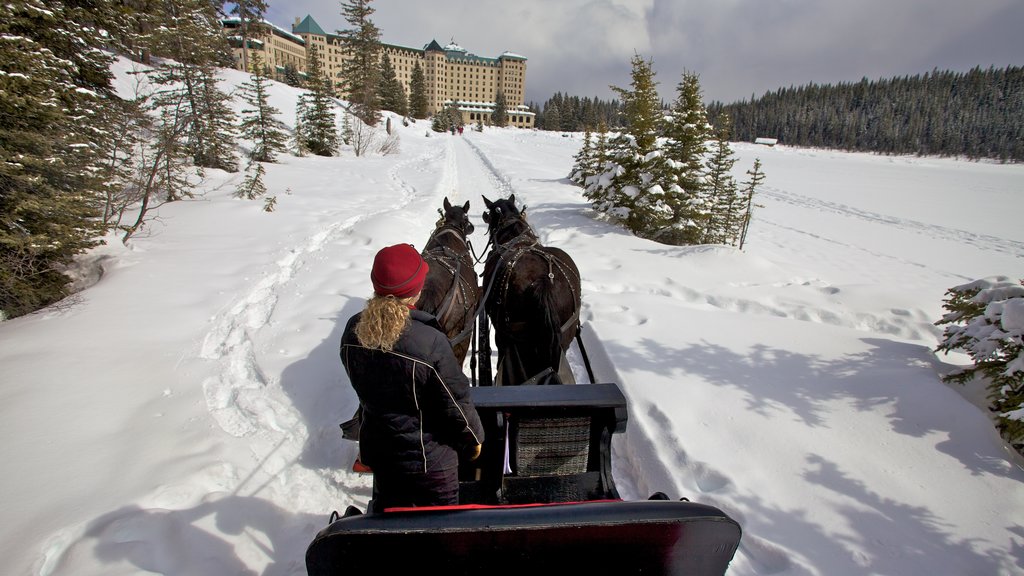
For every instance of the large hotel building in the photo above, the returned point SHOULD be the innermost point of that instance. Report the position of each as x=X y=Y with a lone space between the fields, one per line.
x=451 y=73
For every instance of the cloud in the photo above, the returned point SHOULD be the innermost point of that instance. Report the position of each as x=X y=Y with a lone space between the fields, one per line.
x=738 y=47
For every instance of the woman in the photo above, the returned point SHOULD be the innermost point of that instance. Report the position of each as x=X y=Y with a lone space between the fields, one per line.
x=417 y=416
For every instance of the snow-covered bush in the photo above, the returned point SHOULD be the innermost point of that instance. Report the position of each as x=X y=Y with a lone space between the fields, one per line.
x=985 y=319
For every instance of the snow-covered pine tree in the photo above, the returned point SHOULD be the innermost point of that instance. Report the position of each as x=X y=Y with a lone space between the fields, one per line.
x=417 y=93
x=316 y=110
x=392 y=93
x=347 y=134
x=500 y=115
x=54 y=82
x=260 y=124
x=724 y=215
x=583 y=162
x=686 y=131
x=749 y=189
x=360 y=69
x=552 y=117
x=637 y=187
x=985 y=319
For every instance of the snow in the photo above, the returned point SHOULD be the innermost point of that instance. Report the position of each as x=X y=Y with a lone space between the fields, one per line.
x=180 y=416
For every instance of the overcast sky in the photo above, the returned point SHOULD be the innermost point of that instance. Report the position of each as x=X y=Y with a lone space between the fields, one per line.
x=738 y=47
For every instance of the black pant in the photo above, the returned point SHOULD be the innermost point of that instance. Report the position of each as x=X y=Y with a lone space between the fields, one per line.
x=394 y=490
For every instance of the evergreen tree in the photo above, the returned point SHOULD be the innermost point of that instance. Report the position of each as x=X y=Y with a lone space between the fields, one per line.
x=392 y=93
x=292 y=76
x=552 y=118
x=977 y=114
x=500 y=115
x=583 y=161
x=361 y=67
x=252 y=187
x=978 y=321
x=686 y=131
x=347 y=133
x=250 y=20
x=189 y=35
x=54 y=84
x=315 y=110
x=638 y=187
x=749 y=189
x=417 y=93
x=724 y=210
x=259 y=122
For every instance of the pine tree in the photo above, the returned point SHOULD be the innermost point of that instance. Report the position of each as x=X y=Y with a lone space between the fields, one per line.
x=259 y=122
x=347 y=134
x=638 y=186
x=687 y=131
x=250 y=19
x=252 y=187
x=291 y=75
x=361 y=67
x=977 y=321
x=54 y=85
x=315 y=110
x=417 y=93
x=392 y=94
x=749 y=189
x=189 y=35
x=552 y=118
x=724 y=214
x=583 y=161
x=500 y=115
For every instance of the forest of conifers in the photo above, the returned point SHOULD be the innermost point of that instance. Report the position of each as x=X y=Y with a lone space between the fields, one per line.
x=975 y=114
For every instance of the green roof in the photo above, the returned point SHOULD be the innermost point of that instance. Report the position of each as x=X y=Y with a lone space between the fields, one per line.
x=433 y=47
x=308 y=26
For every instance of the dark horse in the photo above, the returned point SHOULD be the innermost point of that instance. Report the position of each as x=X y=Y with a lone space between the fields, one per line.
x=451 y=292
x=532 y=297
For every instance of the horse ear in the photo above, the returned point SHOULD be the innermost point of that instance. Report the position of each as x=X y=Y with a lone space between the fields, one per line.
x=512 y=198
x=447 y=204
x=465 y=207
x=487 y=202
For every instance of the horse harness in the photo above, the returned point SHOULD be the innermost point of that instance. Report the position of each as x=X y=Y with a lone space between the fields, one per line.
x=456 y=296
x=510 y=253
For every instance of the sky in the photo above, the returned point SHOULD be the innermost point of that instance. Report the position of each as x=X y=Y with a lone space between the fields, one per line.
x=739 y=48
x=180 y=414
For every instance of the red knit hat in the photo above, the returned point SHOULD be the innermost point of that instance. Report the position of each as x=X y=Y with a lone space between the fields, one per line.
x=398 y=271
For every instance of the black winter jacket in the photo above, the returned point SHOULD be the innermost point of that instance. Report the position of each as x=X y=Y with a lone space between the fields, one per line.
x=417 y=415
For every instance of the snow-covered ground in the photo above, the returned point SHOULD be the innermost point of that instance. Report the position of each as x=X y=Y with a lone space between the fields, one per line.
x=181 y=416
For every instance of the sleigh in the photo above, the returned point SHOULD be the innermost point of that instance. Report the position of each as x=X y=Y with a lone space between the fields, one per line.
x=541 y=502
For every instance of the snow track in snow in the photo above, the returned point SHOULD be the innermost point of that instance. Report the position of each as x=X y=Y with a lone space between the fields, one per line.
x=237 y=396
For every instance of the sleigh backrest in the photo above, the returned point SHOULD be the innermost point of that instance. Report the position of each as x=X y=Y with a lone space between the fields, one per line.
x=544 y=444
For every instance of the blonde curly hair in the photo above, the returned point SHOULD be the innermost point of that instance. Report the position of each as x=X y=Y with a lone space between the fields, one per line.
x=383 y=320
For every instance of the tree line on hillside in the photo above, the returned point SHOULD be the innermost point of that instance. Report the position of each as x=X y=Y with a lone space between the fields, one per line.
x=566 y=113
x=974 y=114
x=79 y=160
x=667 y=176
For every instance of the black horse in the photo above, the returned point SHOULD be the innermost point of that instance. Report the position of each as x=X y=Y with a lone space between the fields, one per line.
x=532 y=297
x=450 y=291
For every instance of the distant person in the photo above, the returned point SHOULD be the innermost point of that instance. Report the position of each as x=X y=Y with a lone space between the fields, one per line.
x=417 y=416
